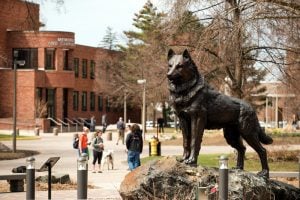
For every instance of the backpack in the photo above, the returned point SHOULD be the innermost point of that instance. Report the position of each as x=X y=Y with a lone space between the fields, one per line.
x=136 y=141
x=76 y=143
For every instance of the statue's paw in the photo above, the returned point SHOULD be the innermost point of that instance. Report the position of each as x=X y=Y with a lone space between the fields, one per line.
x=264 y=173
x=191 y=162
x=238 y=167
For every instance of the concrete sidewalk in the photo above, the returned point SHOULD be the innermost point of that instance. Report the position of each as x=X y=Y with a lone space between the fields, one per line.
x=107 y=183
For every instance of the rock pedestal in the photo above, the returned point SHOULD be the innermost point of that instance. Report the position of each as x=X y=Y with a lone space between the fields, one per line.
x=169 y=179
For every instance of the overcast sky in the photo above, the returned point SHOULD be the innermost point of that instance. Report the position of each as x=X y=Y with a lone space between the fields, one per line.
x=89 y=19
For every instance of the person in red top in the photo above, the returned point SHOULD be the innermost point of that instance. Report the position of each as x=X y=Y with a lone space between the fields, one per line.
x=83 y=141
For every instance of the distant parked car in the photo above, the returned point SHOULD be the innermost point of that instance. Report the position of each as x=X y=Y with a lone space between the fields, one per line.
x=264 y=125
x=172 y=124
x=149 y=124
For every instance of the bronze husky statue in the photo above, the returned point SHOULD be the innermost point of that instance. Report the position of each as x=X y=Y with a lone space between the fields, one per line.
x=198 y=107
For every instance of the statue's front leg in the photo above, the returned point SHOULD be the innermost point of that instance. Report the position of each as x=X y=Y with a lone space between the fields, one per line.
x=197 y=129
x=186 y=135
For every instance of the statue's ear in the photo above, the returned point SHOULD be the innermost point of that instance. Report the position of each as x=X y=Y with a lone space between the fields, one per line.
x=186 y=54
x=171 y=53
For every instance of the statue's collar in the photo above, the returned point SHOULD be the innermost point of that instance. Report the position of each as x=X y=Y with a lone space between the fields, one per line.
x=178 y=98
x=186 y=86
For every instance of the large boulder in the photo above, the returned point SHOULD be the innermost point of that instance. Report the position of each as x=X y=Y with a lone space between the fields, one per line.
x=169 y=179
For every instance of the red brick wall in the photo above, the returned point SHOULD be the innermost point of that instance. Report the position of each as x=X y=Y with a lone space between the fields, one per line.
x=41 y=40
x=25 y=94
x=16 y=15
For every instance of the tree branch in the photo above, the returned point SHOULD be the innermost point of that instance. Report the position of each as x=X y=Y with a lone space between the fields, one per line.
x=289 y=4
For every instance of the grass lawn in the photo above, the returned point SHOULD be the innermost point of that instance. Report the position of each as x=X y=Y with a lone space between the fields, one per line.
x=6 y=137
x=252 y=162
x=9 y=155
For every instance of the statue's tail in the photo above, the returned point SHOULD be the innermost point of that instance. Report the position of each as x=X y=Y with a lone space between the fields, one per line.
x=264 y=138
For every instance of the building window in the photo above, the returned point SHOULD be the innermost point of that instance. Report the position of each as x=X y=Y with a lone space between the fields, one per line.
x=66 y=59
x=40 y=104
x=39 y=93
x=84 y=101
x=107 y=72
x=92 y=101
x=107 y=104
x=92 y=71
x=29 y=55
x=100 y=103
x=84 y=68
x=76 y=66
x=75 y=100
x=50 y=99
x=49 y=58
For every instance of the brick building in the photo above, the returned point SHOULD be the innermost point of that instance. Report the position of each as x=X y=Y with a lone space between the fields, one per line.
x=57 y=71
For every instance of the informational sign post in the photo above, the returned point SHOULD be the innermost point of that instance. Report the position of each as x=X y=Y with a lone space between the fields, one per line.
x=47 y=166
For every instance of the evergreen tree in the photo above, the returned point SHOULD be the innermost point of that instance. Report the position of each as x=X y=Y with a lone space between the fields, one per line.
x=109 y=41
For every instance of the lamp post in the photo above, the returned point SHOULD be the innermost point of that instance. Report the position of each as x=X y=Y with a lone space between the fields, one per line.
x=125 y=106
x=16 y=62
x=143 y=82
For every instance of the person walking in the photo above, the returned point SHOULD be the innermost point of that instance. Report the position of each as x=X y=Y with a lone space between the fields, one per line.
x=134 y=145
x=92 y=124
x=98 y=149
x=104 y=123
x=83 y=141
x=160 y=123
x=121 y=130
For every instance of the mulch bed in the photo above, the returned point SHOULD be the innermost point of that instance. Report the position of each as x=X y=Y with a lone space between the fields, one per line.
x=40 y=186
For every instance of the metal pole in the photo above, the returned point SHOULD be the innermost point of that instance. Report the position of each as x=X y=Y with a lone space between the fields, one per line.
x=267 y=111
x=299 y=170
x=82 y=178
x=276 y=111
x=125 y=115
x=144 y=110
x=15 y=109
x=30 y=179
x=223 y=178
x=49 y=180
x=125 y=107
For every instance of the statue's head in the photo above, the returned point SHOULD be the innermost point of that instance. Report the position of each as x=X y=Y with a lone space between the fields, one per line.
x=181 y=68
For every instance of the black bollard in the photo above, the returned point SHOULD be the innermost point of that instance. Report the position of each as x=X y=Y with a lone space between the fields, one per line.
x=223 y=178
x=30 y=179
x=299 y=170
x=82 y=177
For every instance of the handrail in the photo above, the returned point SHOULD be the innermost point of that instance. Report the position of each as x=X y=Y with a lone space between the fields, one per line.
x=57 y=123
x=71 y=122
x=83 y=120
x=82 y=124
x=64 y=123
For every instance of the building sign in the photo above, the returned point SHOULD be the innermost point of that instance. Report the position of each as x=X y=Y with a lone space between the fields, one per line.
x=62 y=42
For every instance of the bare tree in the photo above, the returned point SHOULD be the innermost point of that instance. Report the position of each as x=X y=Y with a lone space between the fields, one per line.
x=243 y=34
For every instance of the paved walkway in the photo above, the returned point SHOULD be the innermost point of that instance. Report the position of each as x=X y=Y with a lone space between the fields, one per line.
x=106 y=183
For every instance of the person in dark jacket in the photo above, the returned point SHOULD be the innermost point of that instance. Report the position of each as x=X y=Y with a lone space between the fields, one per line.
x=134 y=145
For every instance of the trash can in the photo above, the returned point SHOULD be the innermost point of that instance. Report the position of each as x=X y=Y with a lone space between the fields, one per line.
x=153 y=146
x=55 y=131
x=36 y=131
x=109 y=136
x=159 y=148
